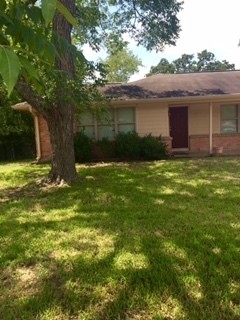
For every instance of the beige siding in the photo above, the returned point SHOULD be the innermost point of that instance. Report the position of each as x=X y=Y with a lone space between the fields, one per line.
x=199 y=118
x=152 y=118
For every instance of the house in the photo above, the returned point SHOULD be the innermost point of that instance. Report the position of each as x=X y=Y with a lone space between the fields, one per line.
x=196 y=113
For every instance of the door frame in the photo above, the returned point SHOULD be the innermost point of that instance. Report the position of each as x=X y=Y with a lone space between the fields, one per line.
x=179 y=106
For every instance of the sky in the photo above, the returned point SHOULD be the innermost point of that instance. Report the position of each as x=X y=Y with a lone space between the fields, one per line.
x=205 y=24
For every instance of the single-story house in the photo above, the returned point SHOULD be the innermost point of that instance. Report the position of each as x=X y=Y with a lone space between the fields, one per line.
x=196 y=113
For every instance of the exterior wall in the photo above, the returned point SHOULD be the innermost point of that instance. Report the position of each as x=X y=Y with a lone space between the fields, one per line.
x=199 y=132
x=198 y=118
x=45 y=144
x=152 y=118
x=198 y=125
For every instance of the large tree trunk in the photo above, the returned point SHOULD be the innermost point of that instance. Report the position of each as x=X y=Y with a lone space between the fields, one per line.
x=60 y=117
x=60 y=123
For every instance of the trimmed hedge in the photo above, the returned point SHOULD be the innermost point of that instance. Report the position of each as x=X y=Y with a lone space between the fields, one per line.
x=126 y=146
x=83 y=146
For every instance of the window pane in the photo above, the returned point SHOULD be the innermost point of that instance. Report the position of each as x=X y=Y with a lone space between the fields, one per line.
x=88 y=131
x=229 y=112
x=229 y=126
x=106 y=132
x=126 y=115
x=124 y=128
x=106 y=118
x=86 y=118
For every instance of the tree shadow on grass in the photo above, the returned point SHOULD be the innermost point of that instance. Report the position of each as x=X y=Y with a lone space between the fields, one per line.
x=164 y=257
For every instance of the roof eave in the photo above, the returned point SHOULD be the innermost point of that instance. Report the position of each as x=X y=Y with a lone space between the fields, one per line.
x=177 y=100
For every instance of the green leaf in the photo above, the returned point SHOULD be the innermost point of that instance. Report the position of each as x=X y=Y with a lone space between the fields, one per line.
x=5 y=18
x=67 y=14
x=2 y=5
x=31 y=71
x=9 y=68
x=48 y=10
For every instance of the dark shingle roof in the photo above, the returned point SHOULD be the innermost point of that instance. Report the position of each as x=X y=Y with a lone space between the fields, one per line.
x=177 y=85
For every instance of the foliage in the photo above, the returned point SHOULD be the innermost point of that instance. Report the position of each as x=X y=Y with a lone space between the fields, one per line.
x=121 y=64
x=13 y=122
x=16 y=130
x=106 y=148
x=152 y=148
x=131 y=146
x=127 y=145
x=83 y=147
x=129 y=241
x=17 y=146
x=33 y=45
x=206 y=61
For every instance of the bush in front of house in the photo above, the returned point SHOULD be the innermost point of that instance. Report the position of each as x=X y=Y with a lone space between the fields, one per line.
x=131 y=146
x=107 y=148
x=127 y=146
x=152 y=148
x=83 y=146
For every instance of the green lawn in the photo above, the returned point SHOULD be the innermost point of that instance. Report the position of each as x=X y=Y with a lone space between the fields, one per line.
x=138 y=241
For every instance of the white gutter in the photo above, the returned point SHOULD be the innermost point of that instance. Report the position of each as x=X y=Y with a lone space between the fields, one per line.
x=24 y=106
x=210 y=128
x=37 y=137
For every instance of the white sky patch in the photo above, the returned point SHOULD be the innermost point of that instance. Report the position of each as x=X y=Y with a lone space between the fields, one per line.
x=206 y=24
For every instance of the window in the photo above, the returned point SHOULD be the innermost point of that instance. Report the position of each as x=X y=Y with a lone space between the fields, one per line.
x=106 y=128
x=87 y=124
x=109 y=124
x=229 y=118
x=125 y=120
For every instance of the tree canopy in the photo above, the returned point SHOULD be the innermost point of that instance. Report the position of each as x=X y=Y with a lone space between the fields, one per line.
x=39 y=60
x=206 y=61
x=120 y=63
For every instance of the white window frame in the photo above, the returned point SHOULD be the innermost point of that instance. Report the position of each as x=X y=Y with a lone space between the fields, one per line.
x=115 y=123
x=237 y=118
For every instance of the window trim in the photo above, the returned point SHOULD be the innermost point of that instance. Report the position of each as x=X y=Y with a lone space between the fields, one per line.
x=237 y=118
x=115 y=124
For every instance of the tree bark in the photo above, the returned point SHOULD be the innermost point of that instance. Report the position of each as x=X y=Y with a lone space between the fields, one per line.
x=60 y=123
x=60 y=117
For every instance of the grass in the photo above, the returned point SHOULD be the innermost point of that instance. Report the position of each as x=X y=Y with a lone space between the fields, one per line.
x=135 y=241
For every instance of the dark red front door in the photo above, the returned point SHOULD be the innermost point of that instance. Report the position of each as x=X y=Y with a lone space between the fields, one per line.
x=178 y=121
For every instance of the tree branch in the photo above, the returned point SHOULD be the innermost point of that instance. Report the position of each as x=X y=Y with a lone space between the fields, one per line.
x=28 y=94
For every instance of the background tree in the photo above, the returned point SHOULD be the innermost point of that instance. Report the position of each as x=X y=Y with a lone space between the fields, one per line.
x=39 y=59
x=16 y=130
x=120 y=64
x=184 y=64
x=164 y=66
x=205 y=61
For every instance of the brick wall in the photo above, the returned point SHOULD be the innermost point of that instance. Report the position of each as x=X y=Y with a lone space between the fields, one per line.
x=168 y=141
x=230 y=143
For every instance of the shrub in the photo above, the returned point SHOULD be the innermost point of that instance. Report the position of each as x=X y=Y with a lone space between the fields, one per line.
x=131 y=146
x=152 y=148
x=83 y=147
x=127 y=146
x=107 y=147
